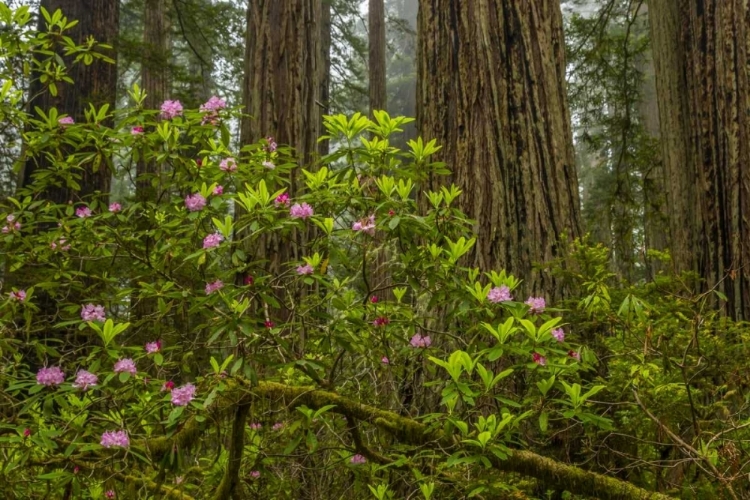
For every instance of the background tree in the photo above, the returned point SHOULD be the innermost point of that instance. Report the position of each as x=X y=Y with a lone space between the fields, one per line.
x=491 y=78
x=376 y=55
x=93 y=84
x=702 y=82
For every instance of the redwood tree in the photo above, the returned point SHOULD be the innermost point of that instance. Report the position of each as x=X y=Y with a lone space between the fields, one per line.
x=491 y=90
x=95 y=84
x=376 y=55
x=700 y=55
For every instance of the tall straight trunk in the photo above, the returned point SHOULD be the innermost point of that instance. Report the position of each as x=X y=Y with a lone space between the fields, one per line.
x=281 y=93
x=325 y=68
x=700 y=55
x=93 y=84
x=491 y=90
x=154 y=82
x=376 y=55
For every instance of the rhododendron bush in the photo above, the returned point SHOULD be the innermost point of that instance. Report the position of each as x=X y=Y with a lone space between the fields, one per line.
x=238 y=334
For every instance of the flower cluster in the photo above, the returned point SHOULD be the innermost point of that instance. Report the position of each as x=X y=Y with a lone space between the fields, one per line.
x=559 y=334
x=85 y=379
x=213 y=105
x=228 y=165
x=218 y=190
x=537 y=304
x=306 y=269
x=255 y=426
x=358 y=459
x=126 y=365
x=115 y=438
x=195 y=202
x=50 y=376
x=282 y=199
x=212 y=240
x=153 y=347
x=271 y=146
x=381 y=321
x=302 y=211
x=269 y=165
x=212 y=287
x=93 y=312
x=420 y=341
x=115 y=207
x=539 y=359
x=366 y=225
x=138 y=130
x=171 y=109
x=65 y=120
x=20 y=295
x=83 y=212
x=183 y=395
x=59 y=244
x=13 y=224
x=499 y=294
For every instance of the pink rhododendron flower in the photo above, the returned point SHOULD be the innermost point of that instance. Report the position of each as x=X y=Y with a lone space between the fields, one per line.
x=60 y=244
x=218 y=190
x=559 y=334
x=153 y=347
x=539 y=359
x=421 y=341
x=125 y=365
x=228 y=165
x=301 y=211
x=50 y=376
x=136 y=130
x=271 y=147
x=195 y=202
x=110 y=494
x=85 y=379
x=278 y=426
x=575 y=355
x=536 y=304
x=366 y=225
x=282 y=199
x=171 y=109
x=93 y=312
x=306 y=269
x=269 y=165
x=66 y=120
x=12 y=224
x=20 y=295
x=499 y=294
x=385 y=360
x=255 y=474
x=167 y=386
x=212 y=240
x=358 y=459
x=83 y=212
x=115 y=207
x=255 y=426
x=115 y=438
x=381 y=321
x=212 y=287
x=183 y=395
x=213 y=105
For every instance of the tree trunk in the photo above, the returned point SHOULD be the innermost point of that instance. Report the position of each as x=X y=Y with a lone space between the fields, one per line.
x=282 y=83
x=93 y=84
x=492 y=92
x=376 y=55
x=700 y=54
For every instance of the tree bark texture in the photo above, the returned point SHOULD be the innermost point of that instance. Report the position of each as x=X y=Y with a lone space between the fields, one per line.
x=154 y=82
x=282 y=72
x=376 y=55
x=492 y=92
x=281 y=98
x=93 y=84
x=700 y=54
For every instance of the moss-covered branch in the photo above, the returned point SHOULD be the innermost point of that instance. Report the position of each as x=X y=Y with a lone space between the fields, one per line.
x=408 y=431
x=230 y=480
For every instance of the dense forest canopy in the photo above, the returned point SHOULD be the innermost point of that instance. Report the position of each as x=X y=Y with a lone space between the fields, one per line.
x=387 y=249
